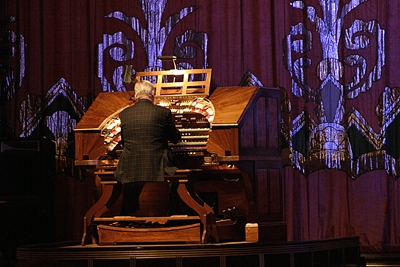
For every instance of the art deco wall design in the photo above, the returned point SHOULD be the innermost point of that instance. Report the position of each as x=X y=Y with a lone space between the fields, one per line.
x=153 y=38
x=338 y=138
x=12 y=64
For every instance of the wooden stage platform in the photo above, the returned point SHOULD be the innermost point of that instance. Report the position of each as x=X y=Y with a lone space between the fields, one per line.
x=328 y=252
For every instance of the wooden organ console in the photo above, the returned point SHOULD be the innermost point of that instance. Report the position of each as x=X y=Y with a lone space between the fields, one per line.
x=229 y=148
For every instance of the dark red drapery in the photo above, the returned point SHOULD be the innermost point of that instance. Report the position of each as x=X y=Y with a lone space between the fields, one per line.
x=60 y=58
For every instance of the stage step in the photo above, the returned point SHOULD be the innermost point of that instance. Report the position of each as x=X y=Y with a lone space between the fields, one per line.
x=328 y=252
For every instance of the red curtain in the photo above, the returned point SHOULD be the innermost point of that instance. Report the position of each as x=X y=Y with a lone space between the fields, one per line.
x=328 y=204
x=64 y=58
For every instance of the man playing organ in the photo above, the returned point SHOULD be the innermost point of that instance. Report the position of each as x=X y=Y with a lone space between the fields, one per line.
x=145 y=131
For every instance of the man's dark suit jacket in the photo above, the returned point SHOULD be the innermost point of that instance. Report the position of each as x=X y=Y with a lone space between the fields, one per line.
x=146 y=129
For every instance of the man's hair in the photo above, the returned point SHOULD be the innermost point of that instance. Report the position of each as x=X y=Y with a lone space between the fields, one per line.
x=143 y=88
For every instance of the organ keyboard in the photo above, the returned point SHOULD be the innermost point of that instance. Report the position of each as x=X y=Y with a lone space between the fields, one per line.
x=232 y=135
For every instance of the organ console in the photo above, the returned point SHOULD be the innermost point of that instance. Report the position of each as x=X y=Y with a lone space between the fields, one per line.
x=230 y=149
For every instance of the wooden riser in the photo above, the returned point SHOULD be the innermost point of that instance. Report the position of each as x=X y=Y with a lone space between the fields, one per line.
x=110 y=235
x=227 y=230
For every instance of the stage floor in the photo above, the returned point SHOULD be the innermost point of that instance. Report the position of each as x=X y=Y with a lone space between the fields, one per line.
x=328 y=252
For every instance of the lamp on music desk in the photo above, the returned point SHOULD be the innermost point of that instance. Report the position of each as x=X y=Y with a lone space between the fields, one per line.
x=167 y=58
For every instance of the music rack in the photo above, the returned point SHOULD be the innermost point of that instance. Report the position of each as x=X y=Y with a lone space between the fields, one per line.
x=178 y=82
